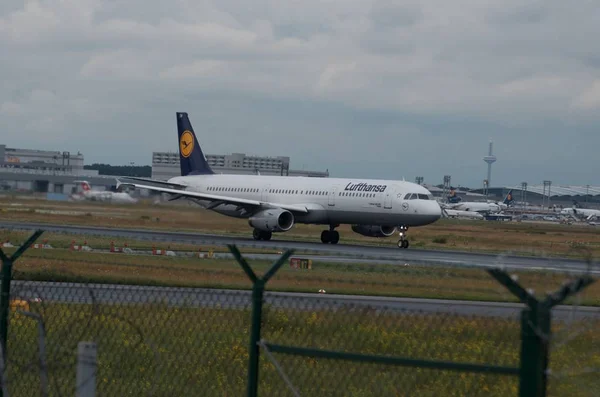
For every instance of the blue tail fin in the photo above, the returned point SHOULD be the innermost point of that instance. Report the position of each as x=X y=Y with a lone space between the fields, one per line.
x=453 y=198
x=191 y=158
x=508 y=200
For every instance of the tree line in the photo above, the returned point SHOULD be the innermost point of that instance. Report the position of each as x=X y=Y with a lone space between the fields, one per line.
x=144 y=171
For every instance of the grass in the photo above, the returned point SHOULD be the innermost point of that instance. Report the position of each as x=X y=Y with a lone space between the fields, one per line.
x=544 y=239
x=152 y=349
x=340 y=278
x=65 y=240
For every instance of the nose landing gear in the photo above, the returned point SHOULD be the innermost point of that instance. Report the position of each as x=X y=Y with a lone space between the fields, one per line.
x=403 y=242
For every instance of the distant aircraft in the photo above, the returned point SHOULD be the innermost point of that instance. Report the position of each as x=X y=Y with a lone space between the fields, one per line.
x=86 y=193
x=576 y=212
x=374 y=208
x=481 y=207
x=449 y=213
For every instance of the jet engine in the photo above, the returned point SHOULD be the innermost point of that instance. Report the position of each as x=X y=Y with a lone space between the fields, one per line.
x=374 y=230
x=272 y=220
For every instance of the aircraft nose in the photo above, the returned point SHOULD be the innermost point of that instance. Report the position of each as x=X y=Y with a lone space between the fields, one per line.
x=436 y=210
x=433 y=211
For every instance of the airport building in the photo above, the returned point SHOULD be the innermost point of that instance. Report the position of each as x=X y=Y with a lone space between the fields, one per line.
x=165 y=165
x=56 y=172
x=45 y=171
x=548 y=194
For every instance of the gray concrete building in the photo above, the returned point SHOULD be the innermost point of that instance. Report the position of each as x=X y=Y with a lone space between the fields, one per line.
x=45 y=171
x=165 y=165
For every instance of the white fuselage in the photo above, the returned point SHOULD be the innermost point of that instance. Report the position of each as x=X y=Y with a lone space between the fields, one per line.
x=582 y=212
x=462 y=214
x=328 y=200
x=96 y=195
x=475 y=206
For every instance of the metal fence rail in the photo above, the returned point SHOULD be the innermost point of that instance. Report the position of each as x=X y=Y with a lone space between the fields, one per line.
x=200 y=341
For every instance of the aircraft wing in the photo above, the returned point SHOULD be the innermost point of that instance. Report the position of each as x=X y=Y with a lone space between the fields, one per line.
x=218 y=199
x=164 y=183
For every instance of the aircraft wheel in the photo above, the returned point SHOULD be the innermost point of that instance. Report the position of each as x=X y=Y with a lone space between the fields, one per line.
x=325 y=236
x=335 y=237
x=405 y=244
x=267 y=236
x=256 y=234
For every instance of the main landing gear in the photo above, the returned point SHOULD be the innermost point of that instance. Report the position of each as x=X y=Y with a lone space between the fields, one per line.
x=330 y=236
x=261 y=235
x=403 y=242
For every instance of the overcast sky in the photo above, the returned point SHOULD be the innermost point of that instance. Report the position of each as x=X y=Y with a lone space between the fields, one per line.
x=380 y=89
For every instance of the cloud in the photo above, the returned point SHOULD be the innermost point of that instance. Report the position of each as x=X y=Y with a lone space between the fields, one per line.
x=432 y=75
x=590 y=98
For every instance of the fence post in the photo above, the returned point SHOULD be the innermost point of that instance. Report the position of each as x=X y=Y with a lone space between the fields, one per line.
x=7 y=264
x=535 y=341
x=85 y=385
x=258 y=289
x=536 y=330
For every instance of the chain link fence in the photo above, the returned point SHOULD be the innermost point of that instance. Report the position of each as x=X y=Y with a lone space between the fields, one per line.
x=155 y=341
x=151 y=341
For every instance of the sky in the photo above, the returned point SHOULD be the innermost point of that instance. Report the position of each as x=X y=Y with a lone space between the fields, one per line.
x=366 y=89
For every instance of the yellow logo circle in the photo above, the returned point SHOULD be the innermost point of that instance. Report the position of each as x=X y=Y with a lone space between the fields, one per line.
x=186 y=143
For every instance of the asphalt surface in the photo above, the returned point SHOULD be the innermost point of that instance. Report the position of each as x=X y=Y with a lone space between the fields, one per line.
x=333 y=253
x=235 y=299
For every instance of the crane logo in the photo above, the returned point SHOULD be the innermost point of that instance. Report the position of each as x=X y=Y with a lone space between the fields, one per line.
x=186 y=144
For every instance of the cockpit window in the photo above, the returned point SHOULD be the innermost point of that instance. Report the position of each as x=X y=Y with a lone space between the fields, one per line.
x=418 y=196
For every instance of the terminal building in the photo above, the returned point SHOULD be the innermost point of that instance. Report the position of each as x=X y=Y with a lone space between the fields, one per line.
x=56 y=172
x=165 y=165
x=45 y=171
x=538 y=194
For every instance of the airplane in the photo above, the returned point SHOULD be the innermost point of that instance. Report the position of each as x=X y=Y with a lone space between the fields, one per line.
x=449 y=213
x=272 y=204
x=574 y=211
x=479 y=206
x=86 y=193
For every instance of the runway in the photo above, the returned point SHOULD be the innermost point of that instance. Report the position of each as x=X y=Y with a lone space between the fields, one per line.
x=333 y=253
x=238 y=299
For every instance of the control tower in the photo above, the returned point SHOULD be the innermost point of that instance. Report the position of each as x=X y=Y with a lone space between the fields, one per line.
x=490 y=159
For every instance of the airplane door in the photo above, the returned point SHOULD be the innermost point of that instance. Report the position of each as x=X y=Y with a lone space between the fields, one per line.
x=387 y=200
x=332 y=194
x=265 y=193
